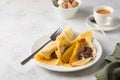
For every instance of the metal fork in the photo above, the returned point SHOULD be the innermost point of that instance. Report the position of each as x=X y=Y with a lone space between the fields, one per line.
x=52 y=38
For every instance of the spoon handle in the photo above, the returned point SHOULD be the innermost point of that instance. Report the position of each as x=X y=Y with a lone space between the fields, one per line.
x=32 y=55
x=55 y=3
x=99 y=28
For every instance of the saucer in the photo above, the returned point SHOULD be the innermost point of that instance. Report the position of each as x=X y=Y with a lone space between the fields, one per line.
x=114 y=25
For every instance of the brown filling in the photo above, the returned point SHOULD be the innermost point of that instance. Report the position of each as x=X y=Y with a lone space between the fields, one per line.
x=53 y=56
x=86 y=53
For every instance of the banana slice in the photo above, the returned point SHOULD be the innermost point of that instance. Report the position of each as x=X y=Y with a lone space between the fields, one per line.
x=79 y=46
x=68 y=53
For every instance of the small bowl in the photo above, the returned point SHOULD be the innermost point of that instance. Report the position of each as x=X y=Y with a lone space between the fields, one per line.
x=67 y=13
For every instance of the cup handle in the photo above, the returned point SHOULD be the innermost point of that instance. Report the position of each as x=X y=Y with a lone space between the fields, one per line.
x=108 y=20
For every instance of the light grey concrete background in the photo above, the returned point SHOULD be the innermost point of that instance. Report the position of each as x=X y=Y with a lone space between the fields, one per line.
x=22 y=22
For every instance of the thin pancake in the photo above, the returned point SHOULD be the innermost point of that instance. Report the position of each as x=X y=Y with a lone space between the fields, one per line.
x=48 y=50
x=63 y=41
x=74 y=61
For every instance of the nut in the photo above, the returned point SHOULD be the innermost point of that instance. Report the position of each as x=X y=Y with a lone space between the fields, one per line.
x=64 y=5
x=75 y=3
x=70 y=5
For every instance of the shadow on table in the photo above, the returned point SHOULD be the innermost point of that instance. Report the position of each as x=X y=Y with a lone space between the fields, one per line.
x=114 y=31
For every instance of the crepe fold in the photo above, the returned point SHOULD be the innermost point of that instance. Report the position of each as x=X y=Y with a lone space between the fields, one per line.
x=47 y=51
x=63 y=41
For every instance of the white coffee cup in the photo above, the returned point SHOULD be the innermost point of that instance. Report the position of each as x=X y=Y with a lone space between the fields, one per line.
x=103 y=15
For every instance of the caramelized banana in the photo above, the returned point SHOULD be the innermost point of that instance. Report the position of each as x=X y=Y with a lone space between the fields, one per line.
x=67 y=54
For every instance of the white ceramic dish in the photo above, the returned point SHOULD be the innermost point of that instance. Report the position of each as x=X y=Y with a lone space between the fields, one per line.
x=43 y=39
x=67 y=13
x=114 y=25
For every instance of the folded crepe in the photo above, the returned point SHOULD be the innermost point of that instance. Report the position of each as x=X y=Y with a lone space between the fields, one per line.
x=84 y=50
x=79 y=46
x=47 y=51
x=56 y=48
x=83 y=53
x=63 y=41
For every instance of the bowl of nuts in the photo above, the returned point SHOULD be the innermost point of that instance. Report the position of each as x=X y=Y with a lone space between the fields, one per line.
x=67 y=8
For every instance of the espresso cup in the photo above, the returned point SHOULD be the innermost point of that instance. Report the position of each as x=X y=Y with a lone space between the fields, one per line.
x=103 y=15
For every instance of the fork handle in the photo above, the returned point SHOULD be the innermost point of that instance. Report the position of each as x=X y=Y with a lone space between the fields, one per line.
x=32 y=55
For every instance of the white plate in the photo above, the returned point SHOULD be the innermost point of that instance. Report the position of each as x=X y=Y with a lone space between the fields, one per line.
x=114 y=25
x=43 y=39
